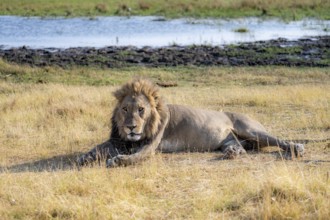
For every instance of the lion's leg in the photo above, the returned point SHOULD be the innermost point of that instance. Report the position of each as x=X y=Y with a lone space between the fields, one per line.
x=264 y=139
x=100 y=152
x=143 y=152
x=251 y=130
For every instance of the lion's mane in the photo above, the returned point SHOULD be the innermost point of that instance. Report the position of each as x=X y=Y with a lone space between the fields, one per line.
x=158 y=107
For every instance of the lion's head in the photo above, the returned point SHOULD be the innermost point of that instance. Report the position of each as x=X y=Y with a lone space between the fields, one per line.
x=140 y=110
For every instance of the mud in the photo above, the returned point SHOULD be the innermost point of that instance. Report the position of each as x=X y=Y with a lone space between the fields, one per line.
x=303 y=52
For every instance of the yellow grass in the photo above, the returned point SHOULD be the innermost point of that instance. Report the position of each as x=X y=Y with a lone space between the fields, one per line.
x=44 y=126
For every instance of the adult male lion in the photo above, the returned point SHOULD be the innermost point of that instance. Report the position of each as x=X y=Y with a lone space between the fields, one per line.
x=142 y=123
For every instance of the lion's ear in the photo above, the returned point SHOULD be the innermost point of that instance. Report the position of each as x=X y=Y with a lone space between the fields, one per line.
x=119 y=95
x=156 y=97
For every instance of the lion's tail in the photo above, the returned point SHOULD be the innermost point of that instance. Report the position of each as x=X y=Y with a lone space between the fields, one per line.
x=305 y=141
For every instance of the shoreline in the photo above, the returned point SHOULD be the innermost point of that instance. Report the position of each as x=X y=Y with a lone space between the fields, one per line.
x=312 y=52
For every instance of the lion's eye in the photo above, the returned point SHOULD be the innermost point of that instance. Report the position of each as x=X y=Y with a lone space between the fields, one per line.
x=125 y=109
x=141 y=109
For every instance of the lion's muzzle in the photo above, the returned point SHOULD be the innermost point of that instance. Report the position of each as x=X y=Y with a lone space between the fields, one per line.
x=132 y=132
x=133 y=136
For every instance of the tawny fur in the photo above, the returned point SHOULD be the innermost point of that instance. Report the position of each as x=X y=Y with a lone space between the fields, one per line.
x=142 y=123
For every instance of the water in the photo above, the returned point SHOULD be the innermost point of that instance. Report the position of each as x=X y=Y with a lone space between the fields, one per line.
x=36 y=32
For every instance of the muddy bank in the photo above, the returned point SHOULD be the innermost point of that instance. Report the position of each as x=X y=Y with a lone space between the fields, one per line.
x=303 y=52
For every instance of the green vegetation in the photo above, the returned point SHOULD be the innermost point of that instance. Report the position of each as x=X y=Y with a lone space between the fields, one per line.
x=216 y=76
x=241 y=30
x=286 y=9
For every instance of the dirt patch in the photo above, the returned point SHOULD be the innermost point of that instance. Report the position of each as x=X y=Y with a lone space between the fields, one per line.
x=303 y=52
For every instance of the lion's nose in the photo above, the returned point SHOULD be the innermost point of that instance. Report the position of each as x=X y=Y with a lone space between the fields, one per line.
x=131 y=127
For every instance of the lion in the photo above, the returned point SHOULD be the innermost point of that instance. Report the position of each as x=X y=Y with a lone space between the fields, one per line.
x=142 y=124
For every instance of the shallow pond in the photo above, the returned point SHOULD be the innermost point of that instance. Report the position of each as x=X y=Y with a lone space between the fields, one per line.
x=36 y=32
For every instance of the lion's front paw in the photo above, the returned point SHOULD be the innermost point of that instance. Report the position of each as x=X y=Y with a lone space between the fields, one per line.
x=111 y=163
x=120 y=160
x=84 y=159
x=299 y=150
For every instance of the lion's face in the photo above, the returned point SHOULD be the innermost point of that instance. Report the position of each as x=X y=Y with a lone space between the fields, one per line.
x=139 y=111
x=133 y=115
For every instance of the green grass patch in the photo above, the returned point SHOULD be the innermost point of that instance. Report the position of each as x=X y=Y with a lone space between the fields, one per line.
x=241 y=30
x=288 y=10
x=204 y=76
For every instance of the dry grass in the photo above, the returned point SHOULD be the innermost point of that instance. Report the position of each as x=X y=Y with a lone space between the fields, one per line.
x=43 y=126
x=172 y=187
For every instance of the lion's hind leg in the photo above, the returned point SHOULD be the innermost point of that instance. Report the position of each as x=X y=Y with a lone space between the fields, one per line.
x=251 y=130
x=264 y=139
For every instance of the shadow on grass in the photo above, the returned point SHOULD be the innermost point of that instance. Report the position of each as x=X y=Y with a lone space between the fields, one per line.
x=56 y=163
x=68 y=162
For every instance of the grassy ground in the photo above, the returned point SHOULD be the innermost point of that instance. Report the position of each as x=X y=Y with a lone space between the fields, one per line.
x=287 y=9
x=45 y=124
